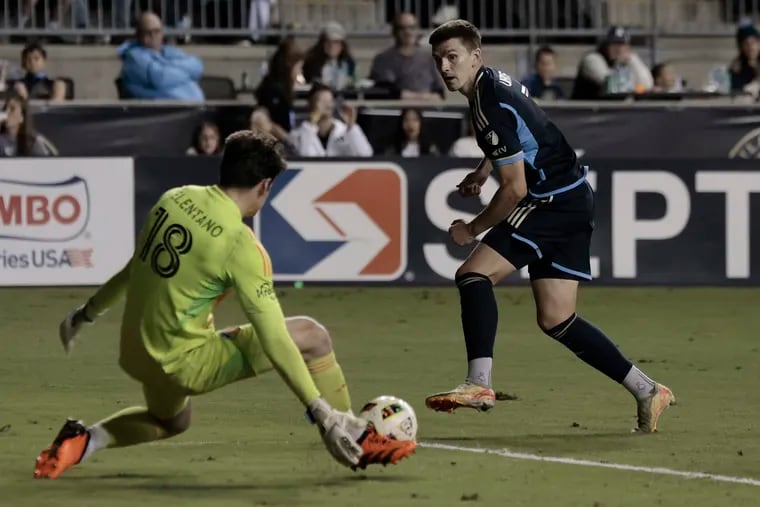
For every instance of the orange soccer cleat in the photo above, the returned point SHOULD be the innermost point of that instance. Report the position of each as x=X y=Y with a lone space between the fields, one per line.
x=66 y=451
x=380 y=449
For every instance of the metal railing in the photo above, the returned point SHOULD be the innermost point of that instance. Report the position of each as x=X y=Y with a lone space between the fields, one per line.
x=260 y=18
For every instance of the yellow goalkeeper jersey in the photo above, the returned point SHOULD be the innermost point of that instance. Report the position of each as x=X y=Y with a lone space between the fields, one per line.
x=193 y=249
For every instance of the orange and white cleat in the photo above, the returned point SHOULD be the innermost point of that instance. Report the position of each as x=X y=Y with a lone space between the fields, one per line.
x=382 y=450
x=650 y=409
x=66 y=451
x=465 y=395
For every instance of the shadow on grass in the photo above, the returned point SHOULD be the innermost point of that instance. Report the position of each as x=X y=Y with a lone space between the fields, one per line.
x=158 y=483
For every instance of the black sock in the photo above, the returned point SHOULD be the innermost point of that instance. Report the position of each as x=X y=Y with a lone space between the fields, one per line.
x=591 y=345
x=479 y=314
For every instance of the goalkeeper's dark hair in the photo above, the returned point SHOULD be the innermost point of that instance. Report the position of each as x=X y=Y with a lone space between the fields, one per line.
x=249 y=157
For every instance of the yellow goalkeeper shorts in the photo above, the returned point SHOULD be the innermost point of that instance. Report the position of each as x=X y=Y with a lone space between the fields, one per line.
x=231 y=355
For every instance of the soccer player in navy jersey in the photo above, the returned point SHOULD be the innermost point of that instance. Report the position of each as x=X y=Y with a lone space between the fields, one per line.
x=541 y=216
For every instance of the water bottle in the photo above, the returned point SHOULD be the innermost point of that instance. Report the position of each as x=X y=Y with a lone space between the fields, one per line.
x=613 y=81
x=719 y=80
x=625 y=79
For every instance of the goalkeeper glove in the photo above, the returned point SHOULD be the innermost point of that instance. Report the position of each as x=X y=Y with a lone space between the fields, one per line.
x=337 y=430
x=72 y=325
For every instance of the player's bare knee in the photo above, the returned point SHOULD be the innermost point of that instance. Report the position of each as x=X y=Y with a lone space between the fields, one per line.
x=548 y=320
x=179 y=423
x=311 y=337
x=485 y=261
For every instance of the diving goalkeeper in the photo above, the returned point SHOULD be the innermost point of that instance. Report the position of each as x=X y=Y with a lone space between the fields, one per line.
x=194 y=249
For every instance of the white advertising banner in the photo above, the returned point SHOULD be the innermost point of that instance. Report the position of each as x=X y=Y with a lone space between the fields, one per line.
x=65 y=221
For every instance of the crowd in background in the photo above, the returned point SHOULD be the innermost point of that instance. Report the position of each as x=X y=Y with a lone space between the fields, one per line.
x=155 y=69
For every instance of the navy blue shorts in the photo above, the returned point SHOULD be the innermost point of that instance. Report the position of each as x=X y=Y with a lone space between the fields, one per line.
x=552 y=236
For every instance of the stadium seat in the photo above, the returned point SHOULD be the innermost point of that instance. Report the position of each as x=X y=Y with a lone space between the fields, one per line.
x=566 y=84
x=121 y=89
x=218 y=87
x=69 y=87
x=49 y=146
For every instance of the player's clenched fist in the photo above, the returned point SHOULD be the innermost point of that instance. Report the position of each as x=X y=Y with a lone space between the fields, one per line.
x=471 y=183
x=460 y=233
x=336 y=428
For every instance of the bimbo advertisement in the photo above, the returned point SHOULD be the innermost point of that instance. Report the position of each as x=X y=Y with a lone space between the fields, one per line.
x=65 y=221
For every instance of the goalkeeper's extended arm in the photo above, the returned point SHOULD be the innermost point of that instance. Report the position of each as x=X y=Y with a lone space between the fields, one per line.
x=339 y=430
x=108 y=294
x=105 y=297
x=249 y=268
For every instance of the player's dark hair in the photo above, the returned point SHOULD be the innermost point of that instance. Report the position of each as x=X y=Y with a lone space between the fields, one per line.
x=249 y=157
x=544 y=50
x=456 y=29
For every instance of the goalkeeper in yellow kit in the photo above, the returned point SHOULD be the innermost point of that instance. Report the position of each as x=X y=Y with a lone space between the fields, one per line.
x=195 y=249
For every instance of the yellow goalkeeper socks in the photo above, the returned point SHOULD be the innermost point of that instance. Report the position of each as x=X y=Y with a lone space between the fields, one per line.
x=130 y=426
x=328 y=376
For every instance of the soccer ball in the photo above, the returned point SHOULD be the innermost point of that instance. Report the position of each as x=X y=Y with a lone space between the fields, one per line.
x=391 y=416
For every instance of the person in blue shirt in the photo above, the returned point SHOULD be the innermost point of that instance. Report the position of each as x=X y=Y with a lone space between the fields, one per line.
x=154 y=70
x=542 y=84
x=541 y=216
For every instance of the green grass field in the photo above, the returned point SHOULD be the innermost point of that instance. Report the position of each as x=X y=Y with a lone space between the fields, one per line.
x=250 y=444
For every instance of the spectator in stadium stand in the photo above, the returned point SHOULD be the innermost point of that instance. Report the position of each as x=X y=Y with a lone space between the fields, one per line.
x=261 y=121
x=157 y=71
x=321 y=135
x=665 y=79
x=542 y=84
x=36 y=84
x=329 y=61
x=611 y=68
x=411 y=138
x=9 y=74
x=406 y=68
x=17 y=135
x=745 y=69
x=277 y=90
x=206 y=140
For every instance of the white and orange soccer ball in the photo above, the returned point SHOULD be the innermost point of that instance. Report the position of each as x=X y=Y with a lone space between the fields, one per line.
x=392 y=417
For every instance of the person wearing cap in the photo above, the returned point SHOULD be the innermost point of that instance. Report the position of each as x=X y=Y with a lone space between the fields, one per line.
x=329 y=61
x=612 y=59
x=745 y=69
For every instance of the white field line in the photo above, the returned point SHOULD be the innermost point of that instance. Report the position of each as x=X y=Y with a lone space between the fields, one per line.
x=506 y=453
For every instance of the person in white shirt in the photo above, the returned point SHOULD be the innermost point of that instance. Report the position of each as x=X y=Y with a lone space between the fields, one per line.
x=411 y=137
x=322 y=135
